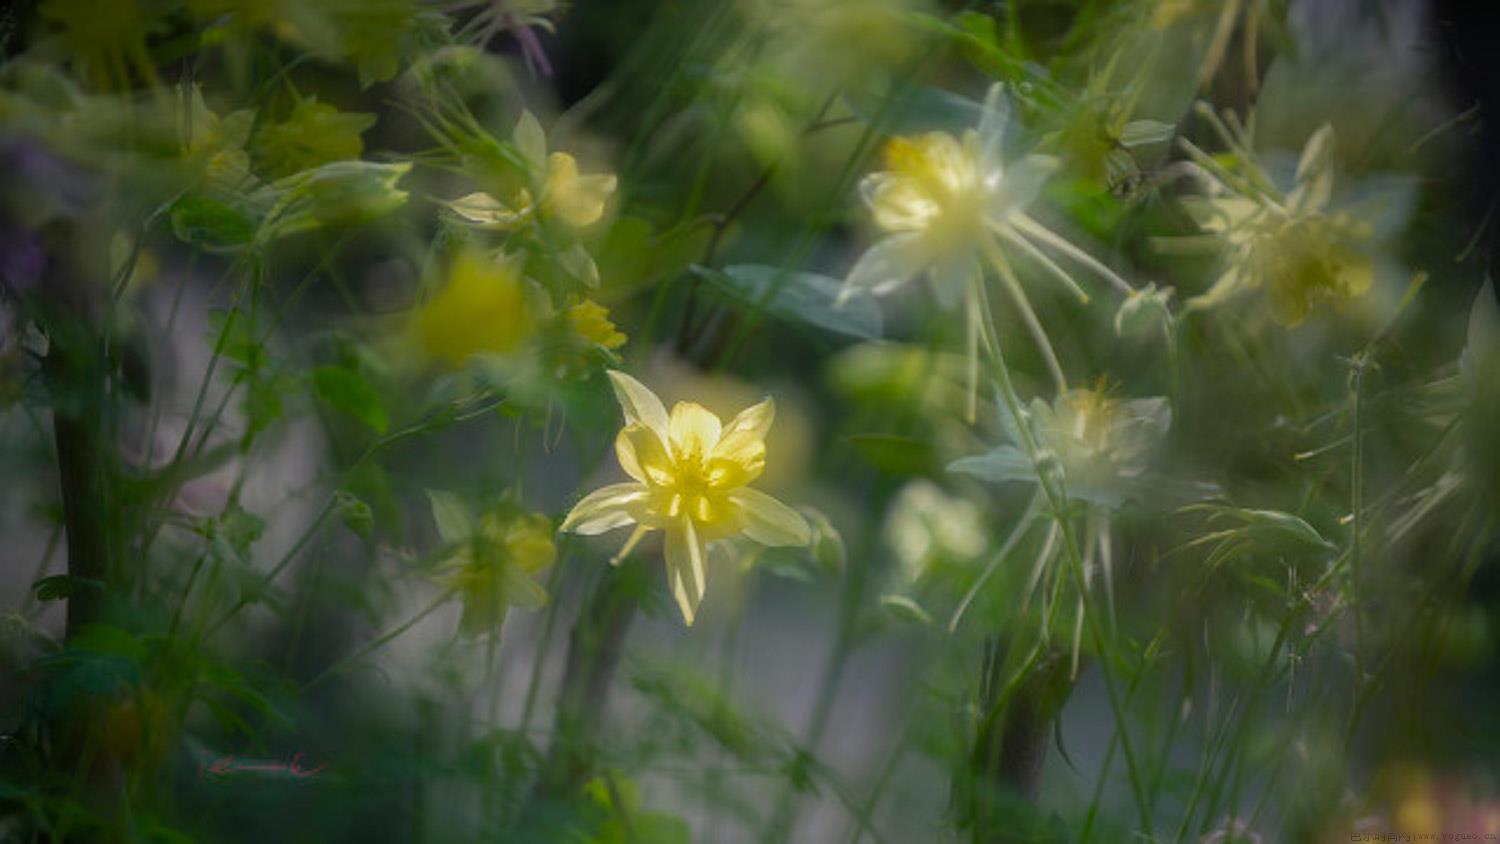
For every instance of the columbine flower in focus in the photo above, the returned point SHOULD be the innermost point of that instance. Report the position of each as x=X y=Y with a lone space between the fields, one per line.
x=1291 y=246
x=952 y=205
x=485 y=306
x=562 y=194
x=494 y=561
x=691 y=480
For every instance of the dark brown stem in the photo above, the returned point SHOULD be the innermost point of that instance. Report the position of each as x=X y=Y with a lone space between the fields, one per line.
x=594 y=650
x=1010 y=752
x=74 y=368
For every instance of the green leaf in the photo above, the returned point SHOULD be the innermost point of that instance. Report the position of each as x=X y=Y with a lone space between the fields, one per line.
x=903 y=608
x=828 y=544
x=240 y=528
x=210 y=224
x=355 y=513
x=1287 y=525
x=61 y=586
x=348 y=391
x=799 y=297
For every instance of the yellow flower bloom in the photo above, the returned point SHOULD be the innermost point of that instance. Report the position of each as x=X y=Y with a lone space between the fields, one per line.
x=483 y=307
x=951 y=207
x=1291 y=246
x=314 y=133
x=691 y=479
x=494 y=561
x=576 y=200
x=590 y=321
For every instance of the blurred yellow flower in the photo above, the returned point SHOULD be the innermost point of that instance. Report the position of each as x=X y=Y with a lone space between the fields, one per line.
x=574 y=199
x=590 y=321
x=484 y=307
x=1292 y=246
x=494 y=560
x=691 y=479
x=216 y=143
x=314 y=133
x=952 y=205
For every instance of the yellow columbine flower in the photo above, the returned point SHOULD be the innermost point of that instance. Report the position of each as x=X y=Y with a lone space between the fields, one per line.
x=691 y=479
x=495 y=561
x=1291 y=246
x=574 y=199
x=483 y=307
x=952 y=206
x=590 y=321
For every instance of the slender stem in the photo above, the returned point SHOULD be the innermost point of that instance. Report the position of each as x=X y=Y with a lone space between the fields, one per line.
x=1057 y=500
x=1028 y=316
x=378 y=642
x=1356 y=514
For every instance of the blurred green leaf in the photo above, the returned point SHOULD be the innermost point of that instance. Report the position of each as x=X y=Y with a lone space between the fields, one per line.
x=902 y=608
x=210 y=224
x=355 y=513
x=800 y=297
x=348 y=391
x=60 y=586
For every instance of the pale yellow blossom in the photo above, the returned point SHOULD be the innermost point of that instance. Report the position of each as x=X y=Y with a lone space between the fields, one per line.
x=691 y=479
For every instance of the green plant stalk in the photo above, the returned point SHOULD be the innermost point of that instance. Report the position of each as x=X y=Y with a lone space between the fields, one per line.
x=379 y=641
x=594 y=650
x=1057 y=502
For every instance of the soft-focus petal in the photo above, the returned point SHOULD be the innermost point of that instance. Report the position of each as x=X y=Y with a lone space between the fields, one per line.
x=685 y=567
x=606 y=508
x=643 y=455
x=886 y=265
x=638 y=403
x=951 y=275
x=992 y=122
x=898 y=202
x=576 y=200
x=692 y=430
x=1020 y=186
x=768 y=521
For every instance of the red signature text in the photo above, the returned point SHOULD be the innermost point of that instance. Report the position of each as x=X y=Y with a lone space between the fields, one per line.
x=224 y=766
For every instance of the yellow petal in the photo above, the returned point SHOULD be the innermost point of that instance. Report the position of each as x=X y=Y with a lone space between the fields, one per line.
x=643 y=455
x=768 y=521
x=576 y=200
x=685 y=569
x=638 y=403
x=693 y=430
x=606 y=508
x=745 y=430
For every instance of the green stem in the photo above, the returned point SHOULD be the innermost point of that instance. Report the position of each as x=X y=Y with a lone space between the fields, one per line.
x=1057 y=500
x=378 y=642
